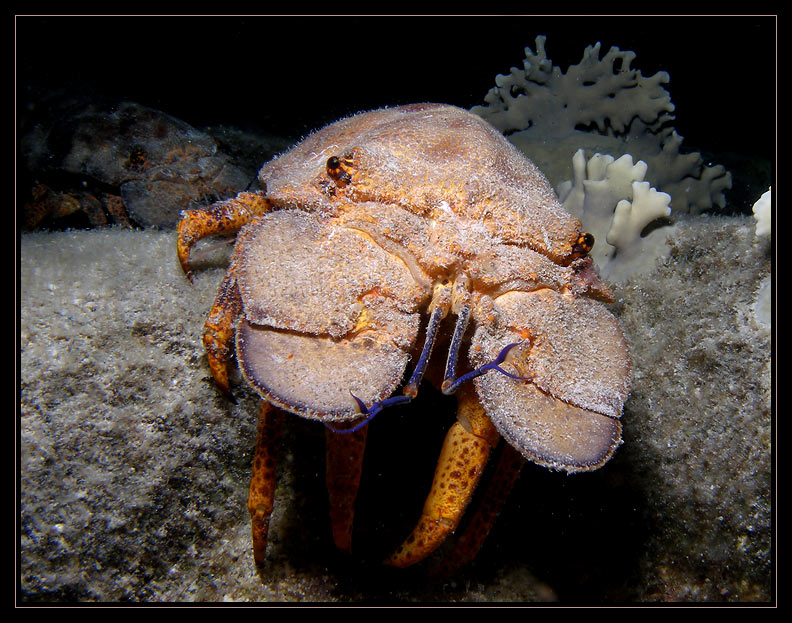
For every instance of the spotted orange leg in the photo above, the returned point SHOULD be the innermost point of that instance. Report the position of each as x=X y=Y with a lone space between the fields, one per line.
x=462 y=460
x=506 y=472
x=344 y=467
x=224 y=216
x=218 y=335
x=261 y=495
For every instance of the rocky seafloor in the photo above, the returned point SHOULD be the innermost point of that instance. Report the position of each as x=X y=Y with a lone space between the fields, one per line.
x=134 y=469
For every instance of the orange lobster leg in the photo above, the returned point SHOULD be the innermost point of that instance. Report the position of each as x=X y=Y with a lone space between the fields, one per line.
x=472 y=538
x=462 y=460
x=218 y=334
x=344 y=466
x=262 y=483
x=223 y=216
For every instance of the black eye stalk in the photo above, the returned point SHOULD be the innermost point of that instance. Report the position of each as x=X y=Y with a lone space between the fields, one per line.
x=583 y=245
x=339 y=169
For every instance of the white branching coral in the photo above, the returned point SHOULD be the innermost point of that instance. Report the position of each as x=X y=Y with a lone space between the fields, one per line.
x=762 y=211
x=600 y=105
x=594 y=92
x=762 y=214
x=615 y=205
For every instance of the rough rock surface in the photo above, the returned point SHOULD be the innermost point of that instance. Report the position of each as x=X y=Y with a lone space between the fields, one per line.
x=134 y=469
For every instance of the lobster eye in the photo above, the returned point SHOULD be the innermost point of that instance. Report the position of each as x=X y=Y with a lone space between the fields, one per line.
x=338 y=170
x=583 y=245
x=585 y=241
